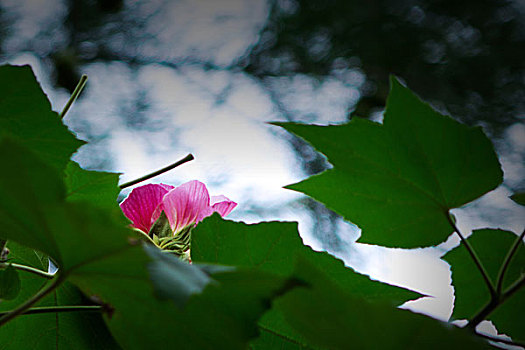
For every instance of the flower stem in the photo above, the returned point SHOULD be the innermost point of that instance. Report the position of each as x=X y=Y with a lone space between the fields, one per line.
x=29 y=269
x=506 y=263
x=158 y=172
x=74 y=95
x=475 y=258
x=55 y=282
x=59 y=309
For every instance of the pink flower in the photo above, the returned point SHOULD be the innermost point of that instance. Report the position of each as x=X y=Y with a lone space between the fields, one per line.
x=185 y=205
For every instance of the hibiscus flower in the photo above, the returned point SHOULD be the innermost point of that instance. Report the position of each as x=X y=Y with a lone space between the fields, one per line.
x=184 y=206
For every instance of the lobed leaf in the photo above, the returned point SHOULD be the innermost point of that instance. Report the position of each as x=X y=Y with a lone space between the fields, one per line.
x=398 y=180
x=274 y=247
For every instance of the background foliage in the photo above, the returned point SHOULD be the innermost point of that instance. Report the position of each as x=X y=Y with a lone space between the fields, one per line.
x=271 y=290
x=463 y=58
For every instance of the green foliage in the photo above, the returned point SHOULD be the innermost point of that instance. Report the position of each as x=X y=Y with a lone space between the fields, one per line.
x=470 y=291
x=332 y=318
x=95 y=254
x=324 y=312
x=275 y=247
x=25 y=114
x=50 y=330
x=231 y=299
x=249 y=285
x=9 y=283
x=398 y=180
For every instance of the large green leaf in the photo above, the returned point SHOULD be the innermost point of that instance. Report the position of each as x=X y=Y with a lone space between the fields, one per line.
x=274 y=247
x=25 y=114
x=471 y=293
x=398 y=180
x=105 y=259
x=331 y=318
x=51 y=330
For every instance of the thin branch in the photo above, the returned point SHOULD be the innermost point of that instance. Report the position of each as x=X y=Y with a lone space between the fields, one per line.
x=507 y=261
x=59 y=309
x=158 y=172
x=74 y=95
x=500 y=340
x=29 y=269
x=55 y=282
x=475 y=258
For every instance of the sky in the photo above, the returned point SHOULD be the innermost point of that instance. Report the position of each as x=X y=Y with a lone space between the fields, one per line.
x=222 y=117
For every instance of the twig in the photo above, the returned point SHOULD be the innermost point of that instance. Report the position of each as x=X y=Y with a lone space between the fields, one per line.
x=74 y=95
x=158 y=172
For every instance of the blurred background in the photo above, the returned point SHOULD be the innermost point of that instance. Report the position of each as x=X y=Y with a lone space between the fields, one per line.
x=167 y=78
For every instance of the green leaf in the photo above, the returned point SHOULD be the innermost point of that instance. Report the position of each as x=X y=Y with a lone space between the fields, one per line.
x=103 y=258
x=274 y=247
x=99 y=188
x=331 y=318
x=398 y=180
x=50 y=330
x=34 y=212
x=25 y=114
x=471 y=293
x=9 y=283
x=518 y=198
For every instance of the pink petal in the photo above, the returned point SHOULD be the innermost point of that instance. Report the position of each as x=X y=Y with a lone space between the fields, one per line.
x=139 y=206
x=222 y=205
x=187 y=204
